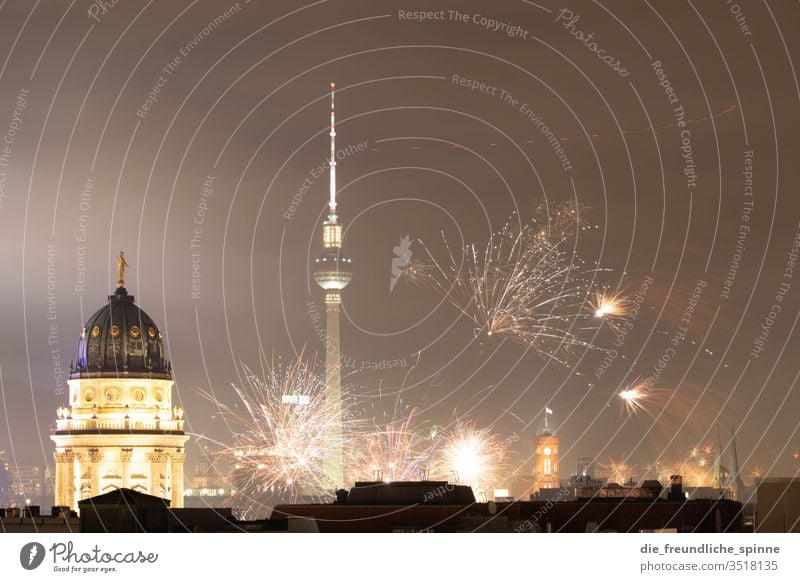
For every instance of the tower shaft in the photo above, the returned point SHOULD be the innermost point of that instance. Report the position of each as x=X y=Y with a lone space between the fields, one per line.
x=333 y=462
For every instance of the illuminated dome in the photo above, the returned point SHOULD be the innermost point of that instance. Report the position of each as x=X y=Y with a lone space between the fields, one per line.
x=121 y=341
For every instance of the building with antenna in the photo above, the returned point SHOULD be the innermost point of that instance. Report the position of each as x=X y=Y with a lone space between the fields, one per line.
x=332 y=272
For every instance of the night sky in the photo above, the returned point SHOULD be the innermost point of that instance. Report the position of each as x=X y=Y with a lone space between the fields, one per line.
x=141 y=125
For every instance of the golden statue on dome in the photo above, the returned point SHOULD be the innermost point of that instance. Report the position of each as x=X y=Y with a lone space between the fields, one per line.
x=121 y=264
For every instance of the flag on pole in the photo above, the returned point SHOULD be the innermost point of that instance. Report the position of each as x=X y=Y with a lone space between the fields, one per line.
x=547 y=410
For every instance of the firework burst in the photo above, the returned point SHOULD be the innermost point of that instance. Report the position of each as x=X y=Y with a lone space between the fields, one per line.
x=399 y=451
x=527 y=284
x=695 y=466
x=641 y=398
x=609 y=307
x=617 y=471
x=279 y=443
x=634 y=397
x=474 y=457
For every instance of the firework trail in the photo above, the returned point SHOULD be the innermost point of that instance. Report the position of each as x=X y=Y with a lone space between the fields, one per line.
x=527 y=284
x=416 y=271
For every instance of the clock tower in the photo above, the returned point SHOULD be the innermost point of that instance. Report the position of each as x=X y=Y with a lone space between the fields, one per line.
x=546 y=458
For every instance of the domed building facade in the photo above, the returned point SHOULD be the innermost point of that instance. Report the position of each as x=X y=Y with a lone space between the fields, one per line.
x=119 y=428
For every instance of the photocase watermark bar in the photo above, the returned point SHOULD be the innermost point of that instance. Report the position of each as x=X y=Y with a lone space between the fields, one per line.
x=172 y=66
x=625 y=327
x=100 y=8
x=524 y=108
x=760 y=340
x=743 y=228
x=347 y=361
x=317 y=173
x=206 y=193
x=678 y=336
x=59 y=373
x=741 y=19
x=10 y=138
x=568 y=19
x=679 y=114
x=486 y=22
x=82 y=234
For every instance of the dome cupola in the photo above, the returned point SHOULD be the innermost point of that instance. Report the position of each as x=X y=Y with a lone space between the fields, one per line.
x=121 y=341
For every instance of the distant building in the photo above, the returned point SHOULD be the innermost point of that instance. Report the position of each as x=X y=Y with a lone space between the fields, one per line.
x=26 y=481
x=415 y=507
x=5 y=484
x=28 y=520
x=585 y=467
x=209 y=486
x=419 y=506
x=777 y=505
x=648 y=490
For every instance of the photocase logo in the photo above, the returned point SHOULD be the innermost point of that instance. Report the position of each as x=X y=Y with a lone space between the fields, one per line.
x=401 y=259
x=31 y=555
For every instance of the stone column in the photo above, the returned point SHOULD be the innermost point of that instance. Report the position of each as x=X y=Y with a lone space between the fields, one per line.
x=156 y=461
x=125 y=457
x=80 y=466
x=95 y=458
x=176 y=467
x=69 y=480
x=61 y=475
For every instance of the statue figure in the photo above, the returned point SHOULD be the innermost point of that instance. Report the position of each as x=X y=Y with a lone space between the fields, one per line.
x=121 y=264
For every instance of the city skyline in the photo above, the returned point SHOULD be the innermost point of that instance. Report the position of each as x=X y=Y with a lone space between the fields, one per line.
x=207 y=163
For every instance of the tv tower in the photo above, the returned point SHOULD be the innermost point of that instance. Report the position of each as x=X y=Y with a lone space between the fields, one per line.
x=332 y=273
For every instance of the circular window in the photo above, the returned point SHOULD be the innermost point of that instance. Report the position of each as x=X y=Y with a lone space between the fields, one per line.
x=547 y=451
x=151 y=332
x=88 y=396
x=134 y=331
x=95 y=331
x=138 y=394
x=115 y=330
x=159 y=395
x=112 y=394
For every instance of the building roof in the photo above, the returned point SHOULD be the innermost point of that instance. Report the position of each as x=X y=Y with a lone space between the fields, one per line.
x=127 y=497
x=409 y=493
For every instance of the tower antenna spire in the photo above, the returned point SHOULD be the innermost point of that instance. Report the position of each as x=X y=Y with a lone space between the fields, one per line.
x=332 y=203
